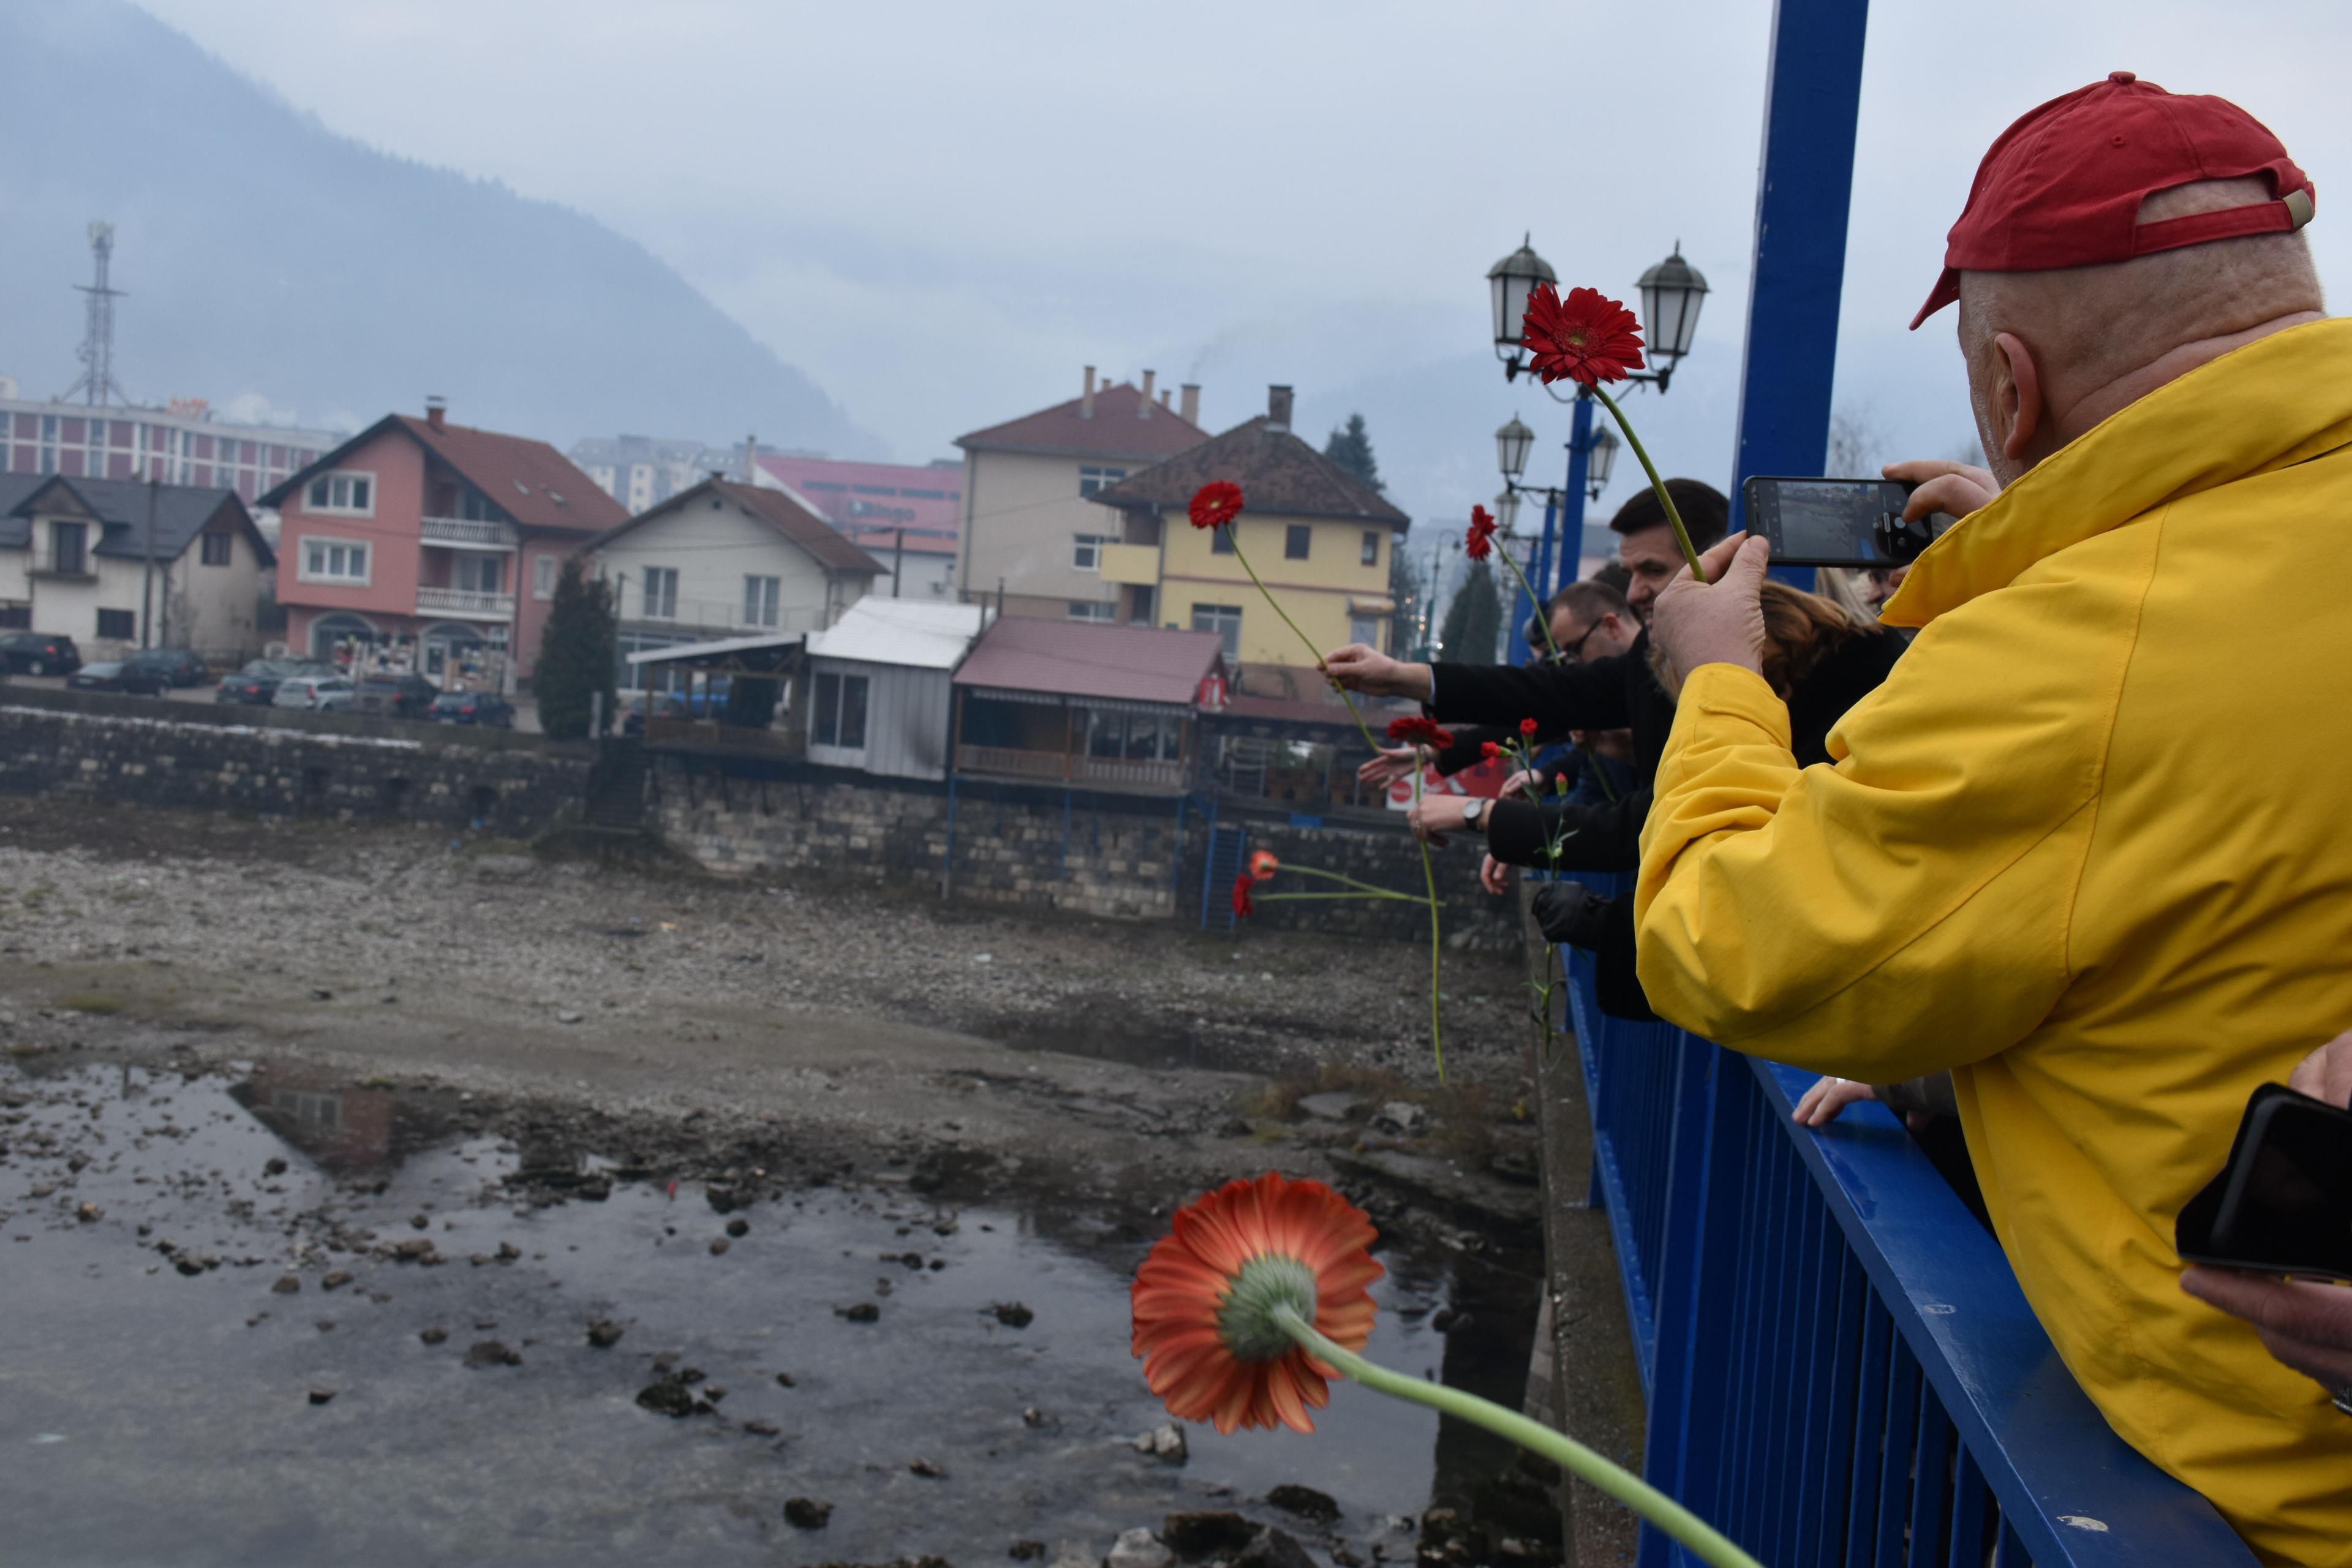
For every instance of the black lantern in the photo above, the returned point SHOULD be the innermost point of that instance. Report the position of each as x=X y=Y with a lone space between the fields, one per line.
x=1672 y=293
x=1511 y=444
x=1511 y=281
x=1600 y=457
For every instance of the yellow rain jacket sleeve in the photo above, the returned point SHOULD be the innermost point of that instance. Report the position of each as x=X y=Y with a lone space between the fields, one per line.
x=2090 y=847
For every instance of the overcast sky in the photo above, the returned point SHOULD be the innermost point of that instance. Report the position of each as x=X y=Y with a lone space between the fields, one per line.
x=942 y=210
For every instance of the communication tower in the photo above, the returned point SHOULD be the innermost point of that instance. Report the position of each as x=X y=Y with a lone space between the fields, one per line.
x=97 y=353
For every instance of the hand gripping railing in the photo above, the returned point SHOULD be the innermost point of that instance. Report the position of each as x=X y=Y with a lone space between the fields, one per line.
x=1839 y=1365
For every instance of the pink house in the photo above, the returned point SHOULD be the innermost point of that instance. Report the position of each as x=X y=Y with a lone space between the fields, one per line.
x=419 y=544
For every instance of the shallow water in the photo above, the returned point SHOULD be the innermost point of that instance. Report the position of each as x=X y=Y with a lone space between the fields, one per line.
x=149 y=1415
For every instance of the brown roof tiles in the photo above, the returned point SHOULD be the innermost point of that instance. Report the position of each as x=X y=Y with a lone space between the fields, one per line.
x=1115 y=430
x=1088 y=659
x=1279 y=474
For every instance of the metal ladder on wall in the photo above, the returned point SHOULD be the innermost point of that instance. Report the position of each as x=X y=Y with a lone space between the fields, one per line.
x=1227 y=853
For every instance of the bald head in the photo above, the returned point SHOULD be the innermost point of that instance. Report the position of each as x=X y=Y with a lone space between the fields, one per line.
x=2051 y=354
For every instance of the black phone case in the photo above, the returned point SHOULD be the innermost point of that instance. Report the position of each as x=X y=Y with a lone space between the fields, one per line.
x=2201 y=1235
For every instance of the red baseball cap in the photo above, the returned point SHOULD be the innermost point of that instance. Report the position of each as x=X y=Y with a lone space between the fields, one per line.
x=2062 y=186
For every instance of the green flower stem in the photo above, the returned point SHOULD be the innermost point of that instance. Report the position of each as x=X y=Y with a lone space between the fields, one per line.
x=1702 y=1540
x=1428 y=879
x=1681 y=534
x=1233 y=534
x=1372 y=893
x=1542 y=620
x=1335 y=877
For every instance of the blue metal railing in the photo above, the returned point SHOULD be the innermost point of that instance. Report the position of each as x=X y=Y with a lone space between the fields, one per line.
x=1839 y=1365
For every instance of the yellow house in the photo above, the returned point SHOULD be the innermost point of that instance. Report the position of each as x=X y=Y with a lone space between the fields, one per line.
x=1318 y=536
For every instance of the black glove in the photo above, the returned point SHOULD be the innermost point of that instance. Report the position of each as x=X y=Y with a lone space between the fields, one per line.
x=1571 y=912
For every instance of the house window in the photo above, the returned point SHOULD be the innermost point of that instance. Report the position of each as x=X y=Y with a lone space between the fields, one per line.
x=1136 y=737
x=1365 y=629
x=762 y=601
x=1091 y=610
x=69 y=547
x=661 y=593
x=1372 y=557
x=841 y=712
x=1221 y=539
x=117 y=626
x=1093 y=479
x=542 y=576
x=351 y=494
x=1296 y=539
x=217 y=549
x=1086 y=554
x=481 y=573
x=1225 y=620
x=333 y=561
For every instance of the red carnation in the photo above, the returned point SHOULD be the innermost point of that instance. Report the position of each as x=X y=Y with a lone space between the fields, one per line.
x=1418 y=731
x=1488 y=749
x=1216 y=504
x=1479 y=543
x=1589 y=339
x=1241 y=905
x=1527 y=727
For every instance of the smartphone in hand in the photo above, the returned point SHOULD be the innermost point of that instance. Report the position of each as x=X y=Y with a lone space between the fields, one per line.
x=2283 y=1202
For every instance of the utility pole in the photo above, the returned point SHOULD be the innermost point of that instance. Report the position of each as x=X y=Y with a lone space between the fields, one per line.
x=147 y=584
x=898 y=563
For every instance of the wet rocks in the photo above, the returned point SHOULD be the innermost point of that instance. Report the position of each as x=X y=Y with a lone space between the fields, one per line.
x=786 y=1380
x=668 y=1398
x=1402 y=1117
x=88 y=1212
x=1305 y=1501
x=719 y=1245
x=604 y=1333
x=321 y=1395
x=807 y=1512
x=738 y=1226
x=1025 y=1551
x=1197 y=1532
x=1445 y=1319
x=433 y=1336
x=762 y=1429
x=863 y=1312
x=1033 y=1417
x=927 y=1470
x=286 y=1285
x=336 y=1278
x=273 y=1166
x=1166 y=1441
x=491 y=1353
x=1275 y=1549
x=1014 y=1315
x=1139 y=1548
x=1331 y=1107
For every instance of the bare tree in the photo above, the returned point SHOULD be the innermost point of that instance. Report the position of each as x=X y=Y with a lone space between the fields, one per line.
x=1857 y=445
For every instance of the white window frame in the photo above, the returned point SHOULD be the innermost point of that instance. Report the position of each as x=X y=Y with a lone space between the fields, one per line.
x=1372 y=552
x=205 y=548
x=1225 y=620
x=661 y=607
x=329 y=508
x=763 y=601
x=1092 y=478
x=471 y=566
x=364 y=578
x=1086 y=551
x=544 y=569
x=1093 y=610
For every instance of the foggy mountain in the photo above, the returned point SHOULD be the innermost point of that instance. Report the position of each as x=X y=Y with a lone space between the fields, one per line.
x=285 y=272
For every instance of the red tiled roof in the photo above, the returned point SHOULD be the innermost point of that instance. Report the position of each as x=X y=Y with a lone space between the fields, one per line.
x=870 y=502
x=529 y=481
x=1087 y=658
x=1279 y=474
x=775 y=508
x=1114 y=431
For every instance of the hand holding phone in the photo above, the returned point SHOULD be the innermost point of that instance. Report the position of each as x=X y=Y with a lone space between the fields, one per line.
x=2282 y=1202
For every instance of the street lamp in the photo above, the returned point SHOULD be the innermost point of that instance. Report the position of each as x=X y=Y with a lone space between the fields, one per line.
x=1672 y=293
x=1601 y=455
x=1511 y=443
x=1511 y=281
x=1507 y=512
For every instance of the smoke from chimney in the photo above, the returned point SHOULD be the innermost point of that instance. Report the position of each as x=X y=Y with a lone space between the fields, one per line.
x=1087 y=398
x=1143 y=409
x=1188 y=406
x=1278 y=408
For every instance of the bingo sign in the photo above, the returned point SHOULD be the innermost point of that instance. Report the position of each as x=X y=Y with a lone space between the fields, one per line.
x=1485 y=779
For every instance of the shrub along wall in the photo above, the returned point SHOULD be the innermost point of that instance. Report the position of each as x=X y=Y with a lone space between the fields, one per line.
x=1128 y=857
x=196 y=758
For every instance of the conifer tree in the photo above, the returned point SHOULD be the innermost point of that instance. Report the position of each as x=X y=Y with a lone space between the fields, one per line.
x=577 y=653
x=1351 y=449
x=1473 y=620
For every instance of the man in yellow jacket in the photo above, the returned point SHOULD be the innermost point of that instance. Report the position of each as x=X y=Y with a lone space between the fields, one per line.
x=2090 y=847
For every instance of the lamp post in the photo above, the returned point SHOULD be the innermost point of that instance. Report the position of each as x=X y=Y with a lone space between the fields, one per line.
x=1672 y=293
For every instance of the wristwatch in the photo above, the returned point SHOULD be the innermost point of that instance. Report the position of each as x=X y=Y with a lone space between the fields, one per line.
x=1473 y=811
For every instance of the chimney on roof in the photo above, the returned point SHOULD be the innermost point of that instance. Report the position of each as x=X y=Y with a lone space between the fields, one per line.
x=1189 y=408
x=1087 y=398
x=1164 y=395
x=1143 y=409
x=436 y=411
x=750 y=459
x=1278 y=408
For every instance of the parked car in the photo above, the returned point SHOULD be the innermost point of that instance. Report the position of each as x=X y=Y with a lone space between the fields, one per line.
x=484 y=707
x=119 y=676
x=320 y=693
x=38 y=653
x=394 y=696
x=179 y=665
x=257 y=684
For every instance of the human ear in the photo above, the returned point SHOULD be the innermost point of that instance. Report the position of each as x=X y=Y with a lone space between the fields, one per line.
x=2016 y=395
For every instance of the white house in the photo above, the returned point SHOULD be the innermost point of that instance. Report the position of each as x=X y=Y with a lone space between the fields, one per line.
x=879 y=691
x=100 y=561
x=724 y=560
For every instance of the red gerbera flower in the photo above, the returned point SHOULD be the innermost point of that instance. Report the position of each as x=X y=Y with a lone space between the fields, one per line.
x=1216 y=504
x=1588 y=339
x=1479 y=543
x=1488 y=749
x=1263 y=866
x=1420 y=731
x=1203 y=1301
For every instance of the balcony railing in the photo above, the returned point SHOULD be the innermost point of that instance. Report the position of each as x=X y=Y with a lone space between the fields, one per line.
x=1061 y=767
x=1839 y=1365
x=464 y=603
x=466 y=533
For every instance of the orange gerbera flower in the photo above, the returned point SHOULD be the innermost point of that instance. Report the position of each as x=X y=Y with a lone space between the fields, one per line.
x=1204 y=1301
x=1263 y=866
